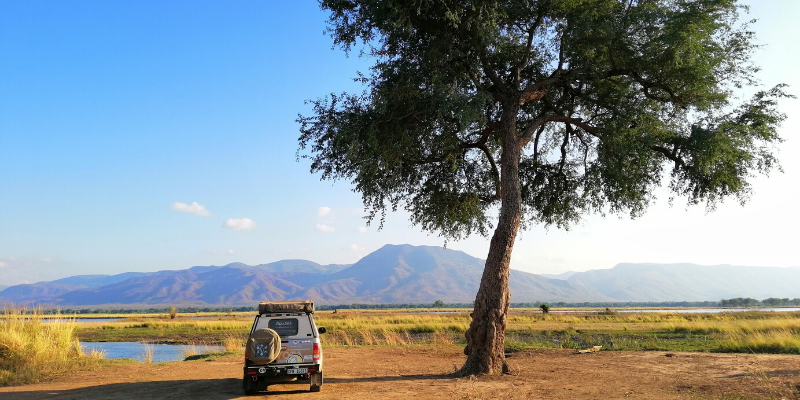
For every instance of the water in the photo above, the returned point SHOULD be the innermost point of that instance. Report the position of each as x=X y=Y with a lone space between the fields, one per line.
x=651 y=310
x=79 y=320
x=136 y=350
x=680 y=310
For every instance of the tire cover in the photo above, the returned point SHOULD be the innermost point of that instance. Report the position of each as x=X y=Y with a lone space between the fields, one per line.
x=263 y=346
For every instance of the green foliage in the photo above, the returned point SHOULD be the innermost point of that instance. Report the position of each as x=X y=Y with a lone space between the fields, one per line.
x=605 y=97
x=739 y=302
x=545 y=308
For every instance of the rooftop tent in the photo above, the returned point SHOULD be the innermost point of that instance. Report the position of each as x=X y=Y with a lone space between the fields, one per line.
x=306 y=306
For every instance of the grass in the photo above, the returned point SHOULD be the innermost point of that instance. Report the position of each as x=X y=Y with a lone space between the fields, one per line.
x=212 y=356
x=147 y=353
x=32 y=350
x=755 y=331
x=230 y=344
x=724 y=332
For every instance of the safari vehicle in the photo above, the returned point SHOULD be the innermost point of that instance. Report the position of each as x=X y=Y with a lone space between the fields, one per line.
x=283 y=347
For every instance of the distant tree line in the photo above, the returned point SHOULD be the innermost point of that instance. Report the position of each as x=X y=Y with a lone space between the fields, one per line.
x=151 y=310
x=749 y=302
x=735 y=302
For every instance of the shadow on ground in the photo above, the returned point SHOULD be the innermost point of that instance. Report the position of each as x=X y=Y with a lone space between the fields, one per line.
x=768 y=374
x=215 y=389
x=183 y=389
x=389 y=378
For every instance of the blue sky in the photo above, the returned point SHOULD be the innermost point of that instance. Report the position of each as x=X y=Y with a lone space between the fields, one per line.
x=116 y=117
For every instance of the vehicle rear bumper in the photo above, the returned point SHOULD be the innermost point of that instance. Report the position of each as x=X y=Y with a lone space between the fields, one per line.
x=274 y=371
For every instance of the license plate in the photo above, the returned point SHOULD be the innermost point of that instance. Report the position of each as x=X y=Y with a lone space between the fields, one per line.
x=297 y=371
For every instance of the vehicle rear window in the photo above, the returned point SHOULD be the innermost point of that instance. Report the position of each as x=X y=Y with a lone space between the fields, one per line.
x=284 y=326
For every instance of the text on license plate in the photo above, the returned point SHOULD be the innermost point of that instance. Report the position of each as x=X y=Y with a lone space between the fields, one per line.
x=295 y=371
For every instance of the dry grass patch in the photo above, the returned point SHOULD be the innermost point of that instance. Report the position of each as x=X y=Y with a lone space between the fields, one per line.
x=32 y=349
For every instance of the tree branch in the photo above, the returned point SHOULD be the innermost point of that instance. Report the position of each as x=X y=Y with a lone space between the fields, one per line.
x=536 y=144
x=487 y=69
x=498 y=190
x=536 y=91
x=672 y=155
x=595 y=131
x=481 y=144
x=564 y=149
x=529 y=45
x=526 y=136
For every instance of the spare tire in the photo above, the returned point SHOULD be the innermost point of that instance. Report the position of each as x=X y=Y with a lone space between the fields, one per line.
x=263 y=346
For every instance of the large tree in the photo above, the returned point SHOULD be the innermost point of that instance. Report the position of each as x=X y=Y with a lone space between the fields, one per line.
x=537 y=112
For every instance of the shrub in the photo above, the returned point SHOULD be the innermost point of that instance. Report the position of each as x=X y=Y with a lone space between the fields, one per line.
x=233 y=342
x=545 y=308
x=32 y=349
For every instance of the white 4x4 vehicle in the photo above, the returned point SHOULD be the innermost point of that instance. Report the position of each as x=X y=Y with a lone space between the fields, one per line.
x=283 y=347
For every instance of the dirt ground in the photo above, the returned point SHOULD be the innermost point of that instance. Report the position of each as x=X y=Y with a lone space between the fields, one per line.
x=424 y=373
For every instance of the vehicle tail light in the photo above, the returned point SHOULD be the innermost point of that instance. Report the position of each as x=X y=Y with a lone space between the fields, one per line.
x=317 y=352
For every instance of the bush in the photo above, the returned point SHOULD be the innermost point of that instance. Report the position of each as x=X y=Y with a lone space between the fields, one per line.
x=32 y=349
x=545 y=308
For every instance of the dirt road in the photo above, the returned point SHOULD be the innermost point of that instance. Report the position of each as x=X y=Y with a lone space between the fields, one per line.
x=423 y=373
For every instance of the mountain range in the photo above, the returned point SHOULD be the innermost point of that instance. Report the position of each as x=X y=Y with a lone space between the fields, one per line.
x=689 y=282
x=404 y=274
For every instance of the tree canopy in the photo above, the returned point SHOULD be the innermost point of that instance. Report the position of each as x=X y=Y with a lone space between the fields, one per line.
x=540 y=111
x=610 y=95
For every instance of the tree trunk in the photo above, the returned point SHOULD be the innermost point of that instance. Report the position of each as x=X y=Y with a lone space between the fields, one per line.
x=486 y=334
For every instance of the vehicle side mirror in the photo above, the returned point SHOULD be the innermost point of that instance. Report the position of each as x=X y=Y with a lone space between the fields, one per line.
x=321 y=330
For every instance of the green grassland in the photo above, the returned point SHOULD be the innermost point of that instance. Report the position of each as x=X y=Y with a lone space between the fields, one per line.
x=32 y=348
x=751 y=332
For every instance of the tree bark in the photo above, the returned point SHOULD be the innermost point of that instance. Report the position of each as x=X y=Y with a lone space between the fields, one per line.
x=486 y=334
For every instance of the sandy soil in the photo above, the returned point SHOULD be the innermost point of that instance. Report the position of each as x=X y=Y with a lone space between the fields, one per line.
x=424 y=373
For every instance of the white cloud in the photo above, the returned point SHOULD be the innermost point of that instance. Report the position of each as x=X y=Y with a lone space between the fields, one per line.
x=323 y=211
x=193 y=208
x=229 y=251
x=2 y=264
x=357 y=249
x=362 y=229
x=240 y=224
x=325 y=228
x=47 y=260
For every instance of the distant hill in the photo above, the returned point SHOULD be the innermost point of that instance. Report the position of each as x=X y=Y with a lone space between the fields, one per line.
x=47 y=291
x=416 y=274
x=93 y=281
x=406 y=274
x=689 y=282
x=563 y=276
x=299 y=266
x=35 y=292
x=392 y=274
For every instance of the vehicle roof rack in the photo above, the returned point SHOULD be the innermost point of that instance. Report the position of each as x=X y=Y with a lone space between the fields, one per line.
x=266 y=307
